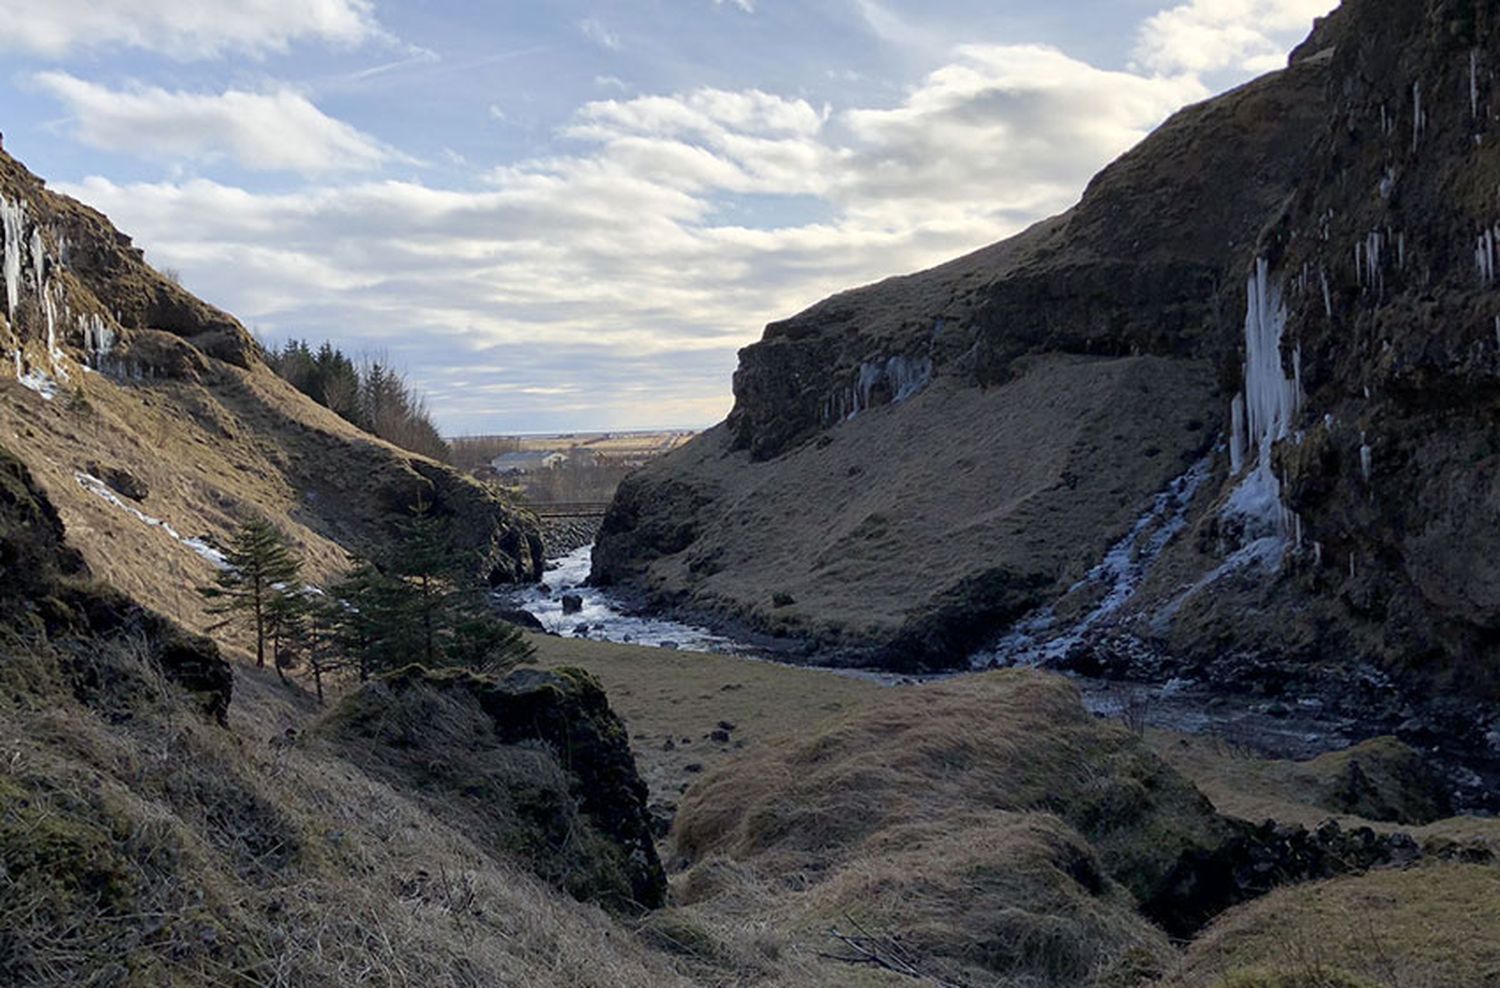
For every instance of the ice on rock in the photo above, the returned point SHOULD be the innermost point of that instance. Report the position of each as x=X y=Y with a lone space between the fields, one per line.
x=1271 y=402
x=13 y=219
x=1036 y=640
x=901 y=377
x=98 y=341
x=1474 y=83
x=1418 y=117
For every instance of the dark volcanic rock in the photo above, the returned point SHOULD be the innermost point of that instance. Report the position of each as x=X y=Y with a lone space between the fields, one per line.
x=536 y=763
x=521 y=618
x=1261 y=858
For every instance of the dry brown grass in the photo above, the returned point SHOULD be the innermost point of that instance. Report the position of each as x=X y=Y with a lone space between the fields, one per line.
x=1431 y=927
x=990 y=826
x=168 y=852
x=666 y=695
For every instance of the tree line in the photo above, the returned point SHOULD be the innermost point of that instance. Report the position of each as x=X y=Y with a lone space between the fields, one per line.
x=369 y=393
x=415 y=604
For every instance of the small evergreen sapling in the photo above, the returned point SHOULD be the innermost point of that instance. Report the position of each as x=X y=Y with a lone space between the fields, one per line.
x=261 y=572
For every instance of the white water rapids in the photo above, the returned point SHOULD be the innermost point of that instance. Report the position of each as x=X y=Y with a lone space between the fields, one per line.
x=602 y=617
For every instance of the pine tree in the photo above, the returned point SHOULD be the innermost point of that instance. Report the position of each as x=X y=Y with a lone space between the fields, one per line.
x=287 y=614
x=423 y=607
x=426 y=564
x=372 y=623
x=261 y=570
x=321 y=640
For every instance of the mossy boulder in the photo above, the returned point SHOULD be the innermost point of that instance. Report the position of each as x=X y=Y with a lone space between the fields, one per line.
x=1381 y=779
x=534 y=764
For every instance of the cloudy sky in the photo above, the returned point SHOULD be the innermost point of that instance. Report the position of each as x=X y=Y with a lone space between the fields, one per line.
x=572 y=214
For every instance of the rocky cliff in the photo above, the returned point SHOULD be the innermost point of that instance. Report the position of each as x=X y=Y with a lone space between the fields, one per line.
x=152 y=424
x=918 y=463
x=1241 y=399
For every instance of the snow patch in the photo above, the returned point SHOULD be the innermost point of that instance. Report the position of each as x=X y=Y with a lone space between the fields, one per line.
x=201 y=548
x=38 y=381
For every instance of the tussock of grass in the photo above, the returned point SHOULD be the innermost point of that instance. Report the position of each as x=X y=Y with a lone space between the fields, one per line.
x=1428 y=927
x=991 y=826
x=1015 y=741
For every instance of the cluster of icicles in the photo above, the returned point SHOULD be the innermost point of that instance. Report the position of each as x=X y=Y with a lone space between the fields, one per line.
x=900 y=377
x=27 y=269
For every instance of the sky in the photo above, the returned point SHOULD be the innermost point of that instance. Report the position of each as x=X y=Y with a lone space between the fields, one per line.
x=572 y=215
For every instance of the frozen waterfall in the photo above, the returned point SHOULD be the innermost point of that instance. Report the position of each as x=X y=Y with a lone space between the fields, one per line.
x=1270 y=401
x=13 y=218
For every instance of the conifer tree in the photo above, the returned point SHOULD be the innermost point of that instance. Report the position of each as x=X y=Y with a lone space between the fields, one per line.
x=423 y=607
x=261 y=570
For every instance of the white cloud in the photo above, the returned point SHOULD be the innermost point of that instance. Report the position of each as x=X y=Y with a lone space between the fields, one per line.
x=277 y=130
x=595 y=31
x=1212 y=35
x=1020 y=125
x=593 y=285
x=183 y=28
x=748 y=6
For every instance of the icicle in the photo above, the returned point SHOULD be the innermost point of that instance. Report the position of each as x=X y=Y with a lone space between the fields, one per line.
x=13 y=218
x=1318 y=555
x=1401 y=250
x=1366 y=458
x=1271 y=402
x=1237 y=432
x=1327 y=295
x=1418 y=117
x=1388 y=183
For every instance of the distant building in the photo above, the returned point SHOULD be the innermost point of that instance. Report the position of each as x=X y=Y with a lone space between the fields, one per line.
x=520 y=464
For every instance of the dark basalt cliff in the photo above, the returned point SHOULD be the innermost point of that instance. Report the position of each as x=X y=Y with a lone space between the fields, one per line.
x=1149 y=262
x=1369 y=166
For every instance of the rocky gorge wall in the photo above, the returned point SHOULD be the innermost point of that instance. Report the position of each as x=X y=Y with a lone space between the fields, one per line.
x=1320 y=244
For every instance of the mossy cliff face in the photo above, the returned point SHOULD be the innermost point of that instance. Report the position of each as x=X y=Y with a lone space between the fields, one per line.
x=47 y=592
x=1396 y=481
x=535 y=763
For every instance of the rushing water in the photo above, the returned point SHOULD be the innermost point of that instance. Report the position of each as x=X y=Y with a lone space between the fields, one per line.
x=604 y=618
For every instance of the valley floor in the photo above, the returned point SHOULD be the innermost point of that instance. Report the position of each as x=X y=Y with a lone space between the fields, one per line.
x=696 y=716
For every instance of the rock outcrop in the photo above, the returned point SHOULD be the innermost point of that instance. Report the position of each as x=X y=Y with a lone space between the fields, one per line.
x=535 y=763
